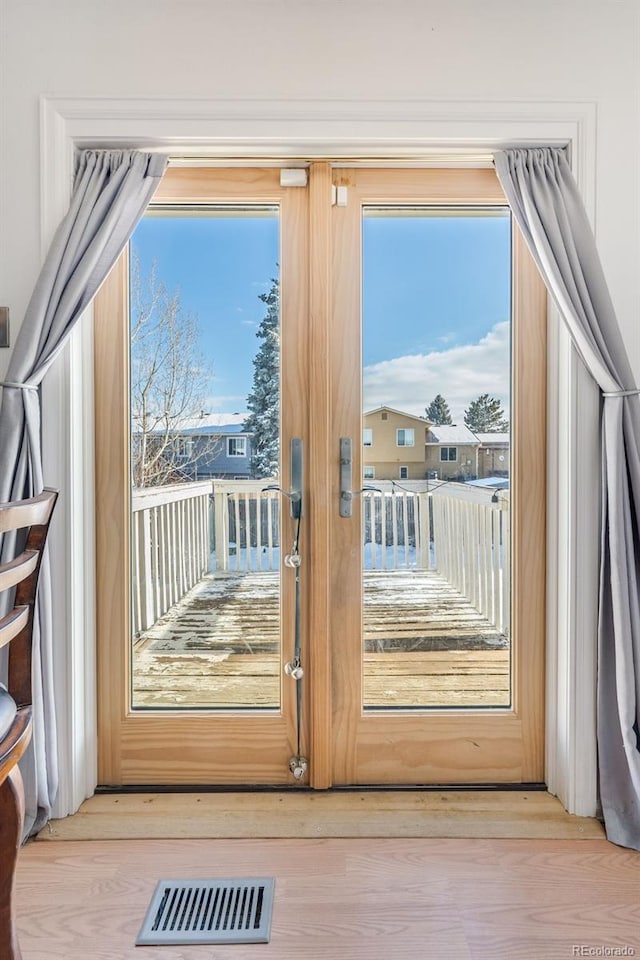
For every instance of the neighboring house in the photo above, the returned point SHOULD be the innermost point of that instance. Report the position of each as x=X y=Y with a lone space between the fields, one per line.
x=493 y=456
x=401 y=446
x=215 y=446
x=393 y=445
x=451 y=452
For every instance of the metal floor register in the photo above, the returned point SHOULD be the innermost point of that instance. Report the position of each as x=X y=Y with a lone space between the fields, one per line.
x=209 y=911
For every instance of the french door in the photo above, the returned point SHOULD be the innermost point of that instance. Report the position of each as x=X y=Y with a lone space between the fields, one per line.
x=391 y=629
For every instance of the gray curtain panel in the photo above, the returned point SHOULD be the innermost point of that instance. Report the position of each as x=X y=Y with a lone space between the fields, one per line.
x=546 y=203
x=112 y=189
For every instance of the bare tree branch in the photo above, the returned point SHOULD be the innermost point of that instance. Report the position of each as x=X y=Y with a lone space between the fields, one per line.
x=170 y=380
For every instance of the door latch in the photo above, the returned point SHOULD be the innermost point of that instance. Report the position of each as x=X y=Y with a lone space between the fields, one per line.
x=346 y=477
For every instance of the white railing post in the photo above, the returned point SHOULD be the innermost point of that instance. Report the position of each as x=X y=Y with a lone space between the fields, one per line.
x=405 y=526
x=505 y=552
x=423 y=531
x=146 y=570
x=136 y=578
x=220 y=527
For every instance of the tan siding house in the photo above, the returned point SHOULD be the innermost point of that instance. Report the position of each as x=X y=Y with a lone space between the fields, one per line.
x=393 y=445
x=401 y=446
x=493 y=456
x=452 y=453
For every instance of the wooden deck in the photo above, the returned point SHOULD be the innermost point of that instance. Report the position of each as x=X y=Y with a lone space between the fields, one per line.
x=425 y=646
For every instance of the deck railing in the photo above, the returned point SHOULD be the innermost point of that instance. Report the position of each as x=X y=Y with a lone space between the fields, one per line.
x=472 y=551
x=396 y=530
x=246 y=525
x=179 y=532
x=170 y=547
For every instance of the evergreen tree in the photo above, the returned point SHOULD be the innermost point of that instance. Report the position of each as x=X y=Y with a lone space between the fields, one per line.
x=438 y=412
x=485 y=415
x=263 y=402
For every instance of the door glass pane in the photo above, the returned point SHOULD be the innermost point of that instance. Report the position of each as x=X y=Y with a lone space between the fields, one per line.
x=436 y=410
x=205 y=405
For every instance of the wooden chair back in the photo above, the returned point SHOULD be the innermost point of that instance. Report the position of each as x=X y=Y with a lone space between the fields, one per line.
x=23 y=531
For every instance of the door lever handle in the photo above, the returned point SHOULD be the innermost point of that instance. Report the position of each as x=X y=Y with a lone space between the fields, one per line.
x=346 y=477
x=294 y=495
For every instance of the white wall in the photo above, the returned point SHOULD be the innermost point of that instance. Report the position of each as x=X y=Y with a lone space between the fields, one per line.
x=508 y=51
x=543 y=50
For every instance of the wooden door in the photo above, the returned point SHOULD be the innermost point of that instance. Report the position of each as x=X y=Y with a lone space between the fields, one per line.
x=194 y=708
x=377 y=707
x=437 y=661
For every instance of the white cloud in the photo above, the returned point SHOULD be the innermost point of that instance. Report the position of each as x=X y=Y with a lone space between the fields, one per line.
x=460 y=374
x=238 y=401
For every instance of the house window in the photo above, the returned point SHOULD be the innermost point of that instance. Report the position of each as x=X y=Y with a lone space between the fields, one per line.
x=384 y=415
x=448 y=454
x=405 y=438
x=236 y=446
x=367 y=437
x=369 y=473
x=183 y=447
x=404 y=473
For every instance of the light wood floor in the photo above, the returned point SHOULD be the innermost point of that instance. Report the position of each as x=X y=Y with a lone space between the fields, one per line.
x=358 y=899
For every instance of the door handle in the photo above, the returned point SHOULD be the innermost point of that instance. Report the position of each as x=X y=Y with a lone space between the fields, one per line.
x=346 y=477
x=296 y=478
x=294 y=495
x=347 y=492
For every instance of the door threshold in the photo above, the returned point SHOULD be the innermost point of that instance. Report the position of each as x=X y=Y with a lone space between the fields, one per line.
x=295 y=814
x=163 y=788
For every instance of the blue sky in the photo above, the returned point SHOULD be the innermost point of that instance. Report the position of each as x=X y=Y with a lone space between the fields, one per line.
x=436 y=301
x=220 y=265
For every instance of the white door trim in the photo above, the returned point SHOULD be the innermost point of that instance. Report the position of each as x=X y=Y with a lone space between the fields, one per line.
x=439 y=132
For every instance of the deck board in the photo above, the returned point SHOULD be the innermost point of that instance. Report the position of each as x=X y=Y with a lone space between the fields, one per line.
x=425 y=645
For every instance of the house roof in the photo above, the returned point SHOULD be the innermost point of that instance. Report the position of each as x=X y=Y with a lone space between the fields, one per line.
x=213 y=420
x=399 y=413
x=213 y=424
x=224 y=429
x=451 y=433
x=493 y=439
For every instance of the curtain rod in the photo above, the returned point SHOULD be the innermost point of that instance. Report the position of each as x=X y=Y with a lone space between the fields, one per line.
x=459 y=159
x=477 y=155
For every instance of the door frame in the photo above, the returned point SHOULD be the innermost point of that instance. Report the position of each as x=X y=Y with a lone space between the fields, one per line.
x=437 y=132
x=235 y=746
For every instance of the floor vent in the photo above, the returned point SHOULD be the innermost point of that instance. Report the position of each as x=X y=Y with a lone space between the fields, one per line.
x=209 y=911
